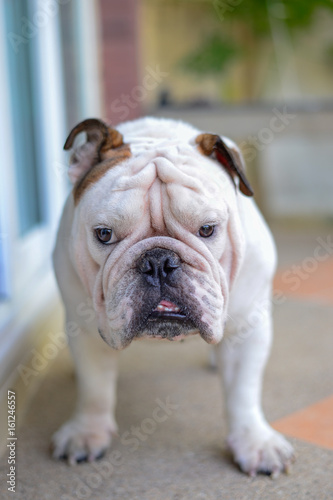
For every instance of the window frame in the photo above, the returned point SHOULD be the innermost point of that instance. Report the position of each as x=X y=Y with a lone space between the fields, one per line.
x=31 y=289
x=27 y=257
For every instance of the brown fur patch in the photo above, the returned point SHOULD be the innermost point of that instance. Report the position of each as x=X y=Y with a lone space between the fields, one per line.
x=109 y=159
x=114 y=139
x=228 y=157
x=206 y=143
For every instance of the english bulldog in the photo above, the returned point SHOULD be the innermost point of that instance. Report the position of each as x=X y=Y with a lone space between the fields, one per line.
x=161 y=234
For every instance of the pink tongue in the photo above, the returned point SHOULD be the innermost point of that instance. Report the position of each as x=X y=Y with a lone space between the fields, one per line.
x=167 y=304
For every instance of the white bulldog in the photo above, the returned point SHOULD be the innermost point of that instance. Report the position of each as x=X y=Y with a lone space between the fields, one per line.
x=157 y=235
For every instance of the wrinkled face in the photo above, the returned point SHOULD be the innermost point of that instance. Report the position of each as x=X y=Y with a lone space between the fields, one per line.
x=156 y=243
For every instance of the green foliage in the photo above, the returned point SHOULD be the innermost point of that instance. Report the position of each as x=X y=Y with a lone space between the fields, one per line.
x=256 y=13
x=211 y=58
x=253 y=17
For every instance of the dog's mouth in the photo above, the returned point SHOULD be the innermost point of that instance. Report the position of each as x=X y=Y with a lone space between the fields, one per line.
x=167 y=310
x=170 y=319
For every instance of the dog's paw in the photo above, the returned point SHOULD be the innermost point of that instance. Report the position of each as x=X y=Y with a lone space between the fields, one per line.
x=261 y=449
x=83 y=438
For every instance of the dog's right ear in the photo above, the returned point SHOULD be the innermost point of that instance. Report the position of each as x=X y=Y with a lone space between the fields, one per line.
x=100 y=140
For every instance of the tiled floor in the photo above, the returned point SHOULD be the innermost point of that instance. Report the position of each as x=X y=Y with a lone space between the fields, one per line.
x=186 y=458
x=310 y=279
x=313 y=424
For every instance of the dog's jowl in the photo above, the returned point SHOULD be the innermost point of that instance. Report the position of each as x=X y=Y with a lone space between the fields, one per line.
x=161 y=234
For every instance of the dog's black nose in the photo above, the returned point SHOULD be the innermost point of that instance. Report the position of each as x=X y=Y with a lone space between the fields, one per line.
x=158 y=266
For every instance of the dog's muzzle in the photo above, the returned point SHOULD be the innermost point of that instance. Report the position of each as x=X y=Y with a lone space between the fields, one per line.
x=161 y=297
x=160 y=270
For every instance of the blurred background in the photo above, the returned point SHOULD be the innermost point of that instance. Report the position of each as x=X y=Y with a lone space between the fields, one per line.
x=258 y=71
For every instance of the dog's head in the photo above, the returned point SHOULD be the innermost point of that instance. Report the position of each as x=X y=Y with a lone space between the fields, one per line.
x=156 y=237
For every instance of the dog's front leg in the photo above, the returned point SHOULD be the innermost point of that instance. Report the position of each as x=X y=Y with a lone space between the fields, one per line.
x=88 y=433
x=241 y=358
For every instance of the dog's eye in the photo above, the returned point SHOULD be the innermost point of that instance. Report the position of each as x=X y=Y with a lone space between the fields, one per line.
x=104 y=235
x=206 y=231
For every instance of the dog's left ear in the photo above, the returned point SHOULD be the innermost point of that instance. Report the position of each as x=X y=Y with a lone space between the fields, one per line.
x=229 y=157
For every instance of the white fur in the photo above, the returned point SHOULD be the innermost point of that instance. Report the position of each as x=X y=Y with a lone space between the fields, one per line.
x=159 y=198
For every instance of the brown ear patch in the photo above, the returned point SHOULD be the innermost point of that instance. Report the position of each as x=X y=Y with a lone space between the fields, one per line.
x=112 y=158
x=98 y=133
x=209 y=144
x=103 y=149
x=206 y=143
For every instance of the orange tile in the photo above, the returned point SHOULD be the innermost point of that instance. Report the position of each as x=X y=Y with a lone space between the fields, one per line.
x=313 y=424
x=308 y=279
